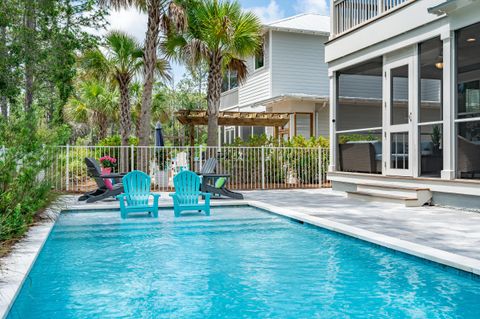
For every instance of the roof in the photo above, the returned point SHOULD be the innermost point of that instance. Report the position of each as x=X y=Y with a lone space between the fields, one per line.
x=200 y=117
x=302 y=23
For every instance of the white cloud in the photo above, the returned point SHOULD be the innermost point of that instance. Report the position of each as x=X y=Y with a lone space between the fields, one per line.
x=130 y=21
x=268 y=13
x=312 y=6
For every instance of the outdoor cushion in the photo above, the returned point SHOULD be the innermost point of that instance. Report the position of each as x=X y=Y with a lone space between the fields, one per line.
x=220 y=182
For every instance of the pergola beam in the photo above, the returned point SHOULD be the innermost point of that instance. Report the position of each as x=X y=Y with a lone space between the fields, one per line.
x=200 y=117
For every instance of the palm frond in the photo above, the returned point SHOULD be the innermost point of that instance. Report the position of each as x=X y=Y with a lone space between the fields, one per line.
x=240 y=67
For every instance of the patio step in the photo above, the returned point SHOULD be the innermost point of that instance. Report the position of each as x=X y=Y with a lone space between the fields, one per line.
x=408 y=196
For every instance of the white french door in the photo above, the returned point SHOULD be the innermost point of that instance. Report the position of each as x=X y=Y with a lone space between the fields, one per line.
x=398 y=120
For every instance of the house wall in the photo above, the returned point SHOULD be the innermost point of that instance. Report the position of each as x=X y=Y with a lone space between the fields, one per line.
x=399 y=34
x=298 y=64
x=257 y=86
x=229 y=99
x=323 y=120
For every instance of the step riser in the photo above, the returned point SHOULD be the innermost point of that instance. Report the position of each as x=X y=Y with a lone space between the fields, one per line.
x=393 y=192
x=377 y=199
x=410 y=197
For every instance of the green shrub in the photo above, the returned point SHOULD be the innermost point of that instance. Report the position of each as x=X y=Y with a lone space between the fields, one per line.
x=27 y=154
x=115 y=140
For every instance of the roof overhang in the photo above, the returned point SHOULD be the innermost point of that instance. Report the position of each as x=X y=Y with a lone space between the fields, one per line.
x=200 y=117
x=290 y=97
x=267 y=28
x=449 y=6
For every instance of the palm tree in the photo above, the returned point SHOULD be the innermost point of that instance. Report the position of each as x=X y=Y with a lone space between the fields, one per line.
x=222 y=35
x=119 y=65
x=162 y=14
x=95 y=105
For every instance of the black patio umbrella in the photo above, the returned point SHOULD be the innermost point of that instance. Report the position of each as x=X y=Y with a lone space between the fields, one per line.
x=159 y=135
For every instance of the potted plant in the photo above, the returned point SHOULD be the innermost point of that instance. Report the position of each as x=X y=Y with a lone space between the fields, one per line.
x=436 y=137
x=107 y=163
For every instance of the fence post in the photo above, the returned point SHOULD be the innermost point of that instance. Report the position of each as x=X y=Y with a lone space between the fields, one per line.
x=263 y=167
x=320 y=168
x=200 y=158
x=67 y=168
x=132 y=157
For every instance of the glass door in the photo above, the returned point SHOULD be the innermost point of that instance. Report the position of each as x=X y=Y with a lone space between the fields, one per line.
x=398 y=128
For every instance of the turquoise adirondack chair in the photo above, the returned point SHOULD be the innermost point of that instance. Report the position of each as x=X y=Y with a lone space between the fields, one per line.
x=187 y=193
x=136 y=186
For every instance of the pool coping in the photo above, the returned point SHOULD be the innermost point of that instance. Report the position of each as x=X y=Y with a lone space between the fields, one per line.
x=19 y=262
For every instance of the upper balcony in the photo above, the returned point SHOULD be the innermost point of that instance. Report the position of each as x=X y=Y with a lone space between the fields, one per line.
x=348 y=15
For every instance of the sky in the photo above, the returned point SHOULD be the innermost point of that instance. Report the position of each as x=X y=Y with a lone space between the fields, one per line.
x=135 y=23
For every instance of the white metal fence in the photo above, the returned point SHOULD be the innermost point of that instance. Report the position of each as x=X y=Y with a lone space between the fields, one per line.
x=249 y=168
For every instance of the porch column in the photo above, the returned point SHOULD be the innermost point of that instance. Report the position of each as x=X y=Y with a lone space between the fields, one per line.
x=333 y=113
x=449 y=103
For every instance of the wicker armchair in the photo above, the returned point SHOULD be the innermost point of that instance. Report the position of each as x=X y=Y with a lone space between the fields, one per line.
x=359 y=157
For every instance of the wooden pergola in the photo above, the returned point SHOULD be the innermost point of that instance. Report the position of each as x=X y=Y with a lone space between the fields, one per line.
x=194 y=118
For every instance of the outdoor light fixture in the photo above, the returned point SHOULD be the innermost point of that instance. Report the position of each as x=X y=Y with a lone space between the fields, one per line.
x=471 y=40
x=439 y=62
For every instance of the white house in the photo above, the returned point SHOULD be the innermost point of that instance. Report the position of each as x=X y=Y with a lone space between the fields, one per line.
x=289 y=76
x=405 y=100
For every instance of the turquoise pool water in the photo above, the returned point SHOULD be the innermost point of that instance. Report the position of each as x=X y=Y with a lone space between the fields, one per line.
x=239 y=263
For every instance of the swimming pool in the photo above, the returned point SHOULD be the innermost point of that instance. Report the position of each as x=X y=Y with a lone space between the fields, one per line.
x=239 y=263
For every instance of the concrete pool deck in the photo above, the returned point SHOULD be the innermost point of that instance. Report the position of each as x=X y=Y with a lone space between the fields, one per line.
x=444 y=235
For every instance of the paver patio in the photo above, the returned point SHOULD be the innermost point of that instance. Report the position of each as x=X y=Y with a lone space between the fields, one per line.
x=453 y=230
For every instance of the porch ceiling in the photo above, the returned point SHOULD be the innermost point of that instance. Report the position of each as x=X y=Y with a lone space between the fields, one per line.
x=200 y=117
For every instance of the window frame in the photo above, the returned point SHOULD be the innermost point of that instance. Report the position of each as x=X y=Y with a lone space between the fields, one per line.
x=262 y=52
x=295 y=122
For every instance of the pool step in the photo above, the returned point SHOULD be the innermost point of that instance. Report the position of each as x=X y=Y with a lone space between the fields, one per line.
x=408 y=196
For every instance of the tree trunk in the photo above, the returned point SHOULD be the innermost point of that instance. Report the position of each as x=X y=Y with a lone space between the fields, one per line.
x=3 y=53
x=30 y=25
x=102 y=126
x=150 y=61
x=4 y=106
x=125 y=121
x=213 y=100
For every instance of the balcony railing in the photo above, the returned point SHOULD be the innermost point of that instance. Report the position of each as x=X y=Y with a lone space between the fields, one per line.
x=347 y=14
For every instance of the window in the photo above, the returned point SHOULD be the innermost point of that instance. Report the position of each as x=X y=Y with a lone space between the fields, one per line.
x=230 y=81
x=431 y=150
x=359 y=117
x=399 y=96
x=431 y=80
x=304 y=125
x=430 y=127
x=468 y=102
x=260 y=58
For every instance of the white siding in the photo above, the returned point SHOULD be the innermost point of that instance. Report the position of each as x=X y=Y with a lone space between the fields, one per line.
x=228 y=99
x=323 y=122
x=298 y=64
x=257 y=85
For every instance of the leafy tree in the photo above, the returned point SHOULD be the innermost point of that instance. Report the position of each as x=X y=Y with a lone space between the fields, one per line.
x=222 y=35
x=119 y=65
x=39 y=41
x=161 y=14
x=94 y=104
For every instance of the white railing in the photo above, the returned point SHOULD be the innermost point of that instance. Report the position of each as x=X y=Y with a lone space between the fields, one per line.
x=347 y=14
x=249 y=168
